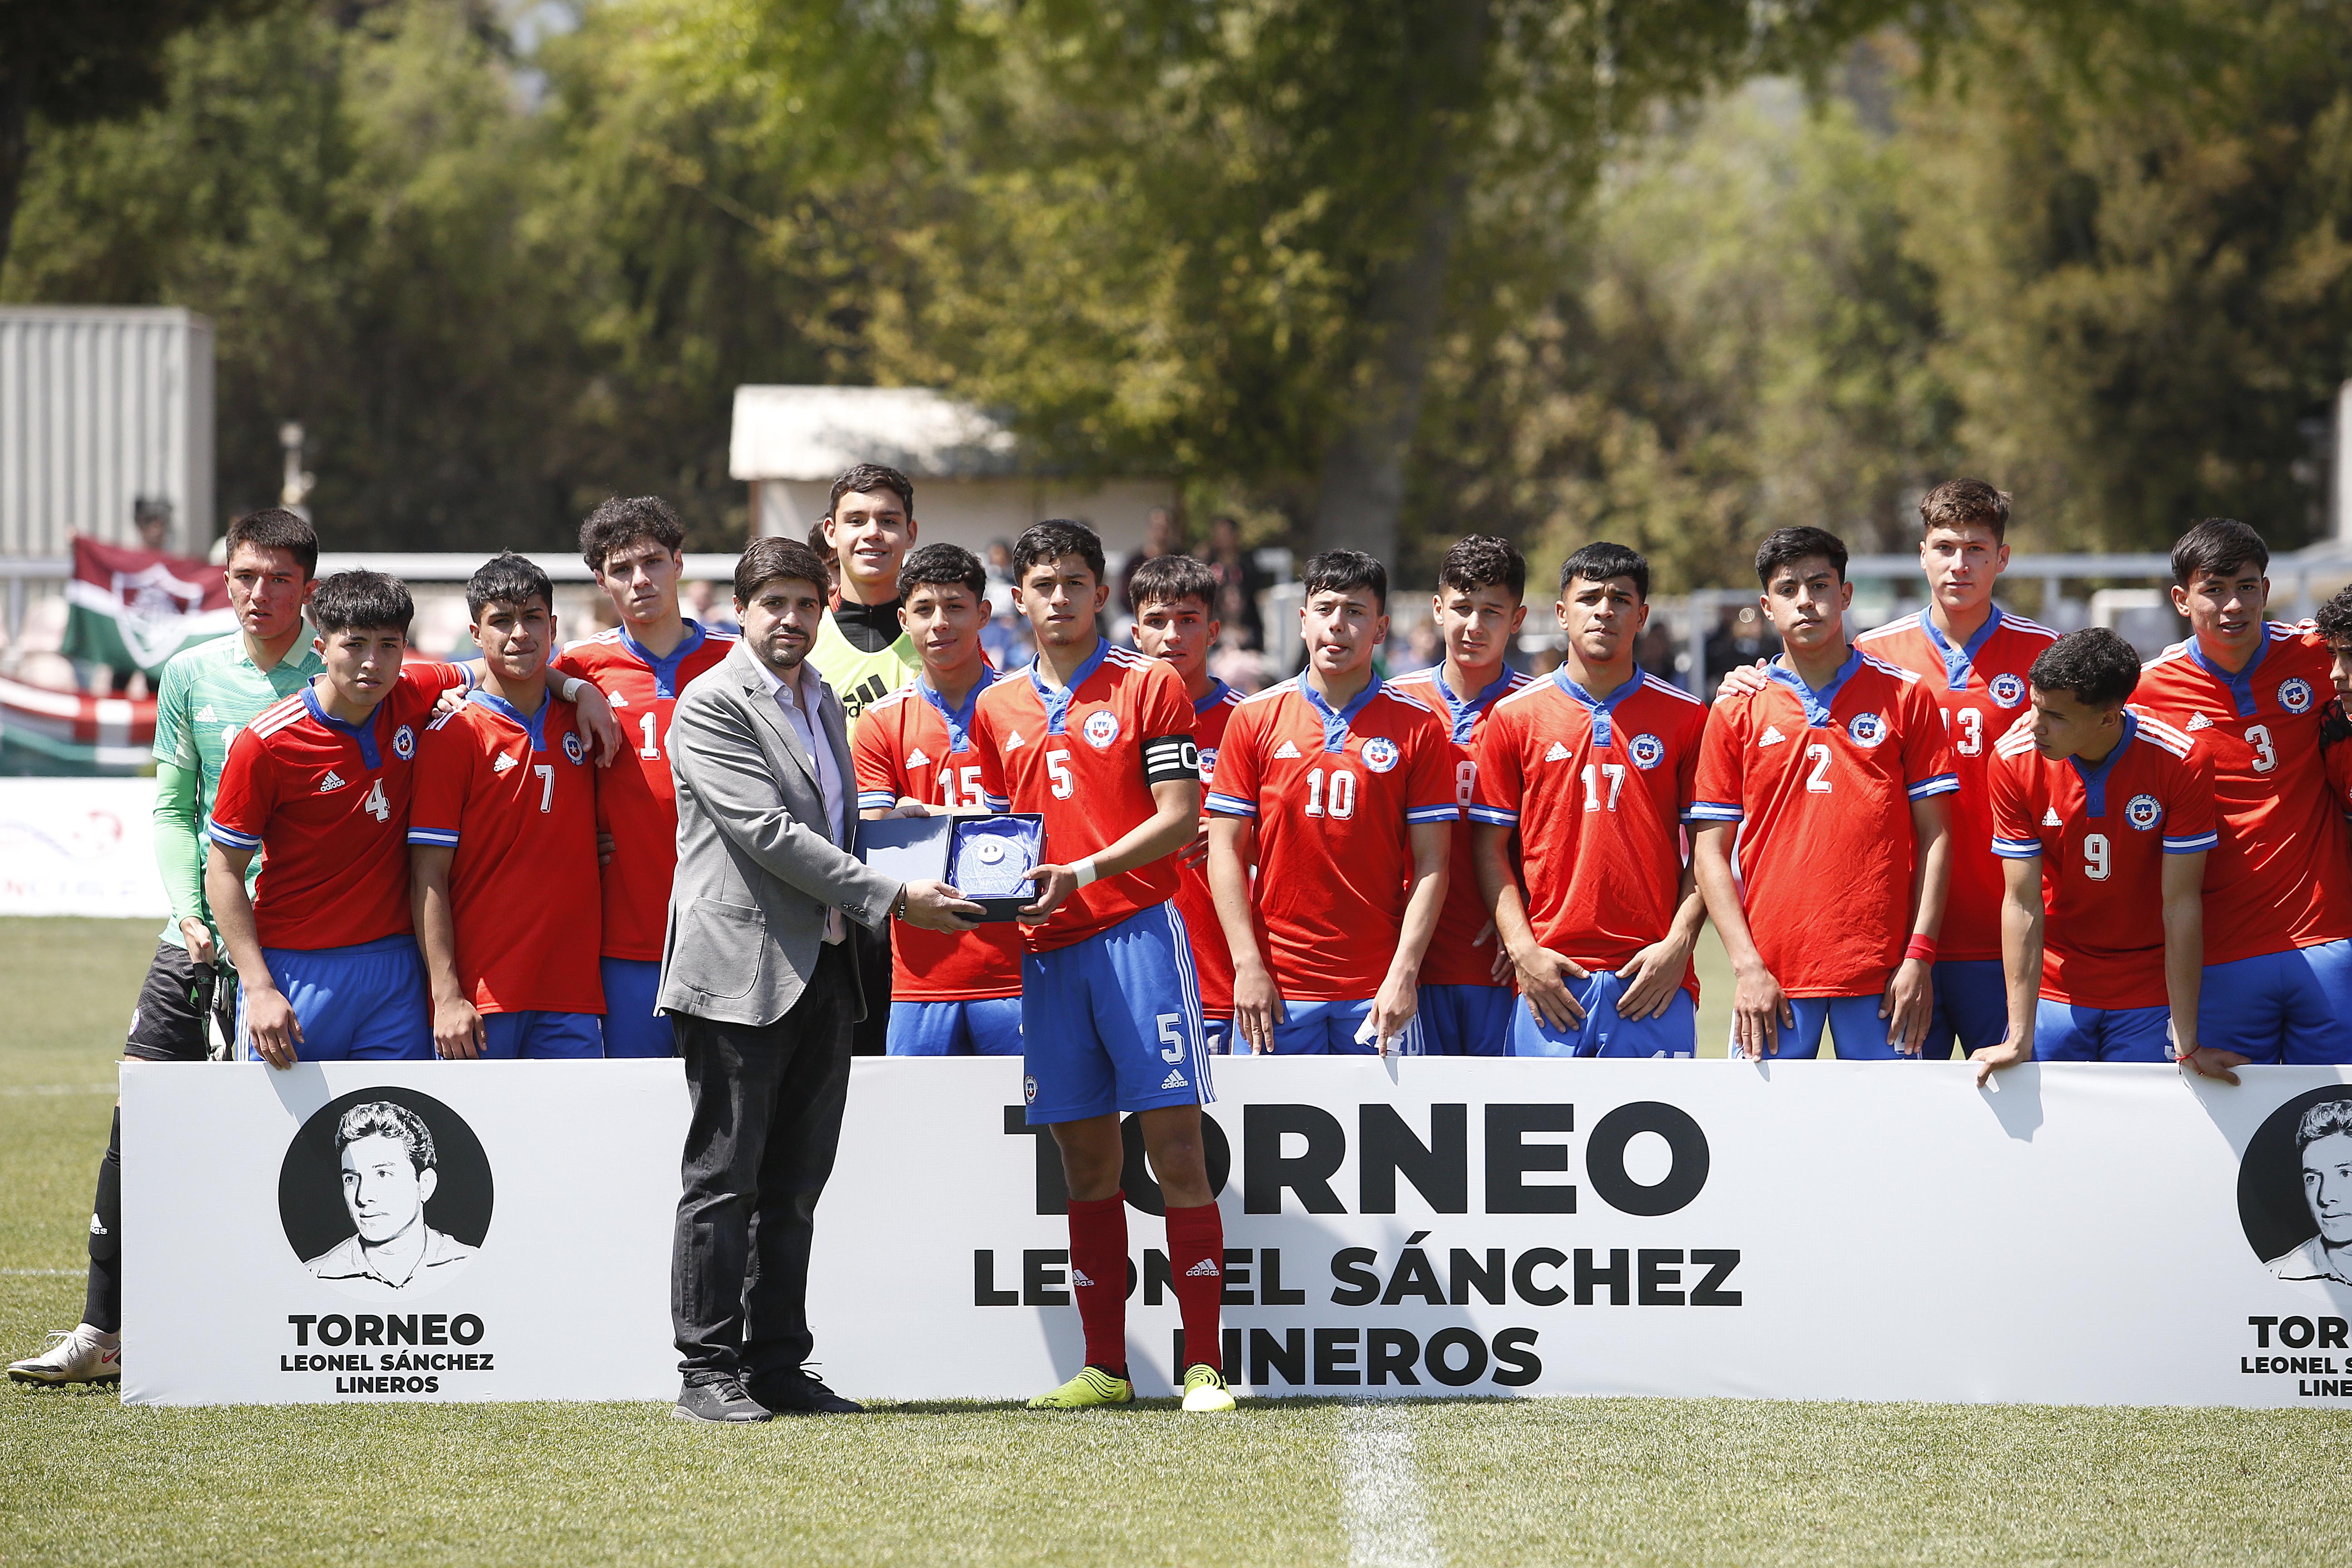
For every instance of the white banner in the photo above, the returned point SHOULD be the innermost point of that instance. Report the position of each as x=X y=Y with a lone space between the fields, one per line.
x=2100 y=1234
x=78 y=847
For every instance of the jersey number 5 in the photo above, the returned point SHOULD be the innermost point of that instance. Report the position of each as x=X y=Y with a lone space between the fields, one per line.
x=1058 y=769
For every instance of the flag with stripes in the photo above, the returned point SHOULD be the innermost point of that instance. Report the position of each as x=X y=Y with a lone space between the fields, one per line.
x=132 y=609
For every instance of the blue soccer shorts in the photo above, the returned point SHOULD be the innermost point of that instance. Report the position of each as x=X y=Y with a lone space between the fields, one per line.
x=1852 y=1021
x=1113 y=1023
x=2065 y=1032
x=1219 y=1034
x=987 y=1027
x=367 y=1002
x=1329 y=1029
x=2292 y=1008
x=1972 y=1008
x=542 y=1037
x=632 y=1028
x=1467 y=1020
x=1673 y=1033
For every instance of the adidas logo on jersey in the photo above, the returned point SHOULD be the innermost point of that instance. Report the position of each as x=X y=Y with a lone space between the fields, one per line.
x=2050 y=817
x=1204 y=1269
x=331 y=782
x=1558 y=753
x=2197 y=721
x=915 y=759
x=616 y=699
x=1284 y=750
x=1078 y=1277
x=504 y=764
x=205 y=715
x=1173 y=1080
x=1770 y=737
x=1013 y=741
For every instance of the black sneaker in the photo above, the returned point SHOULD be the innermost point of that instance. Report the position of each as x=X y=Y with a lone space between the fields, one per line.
x=800 y=1392
x=723 y=1401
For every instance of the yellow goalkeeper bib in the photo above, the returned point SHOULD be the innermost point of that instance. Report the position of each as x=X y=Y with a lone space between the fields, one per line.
x=857 y=677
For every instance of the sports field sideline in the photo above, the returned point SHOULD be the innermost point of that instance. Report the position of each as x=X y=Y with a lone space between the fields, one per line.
x=1306 y=1481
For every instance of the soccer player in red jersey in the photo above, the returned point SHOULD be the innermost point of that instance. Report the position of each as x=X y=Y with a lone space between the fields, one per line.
x=1340 y=790
x=951 y=993
x=318 y=785
x=2278 y=887
x=635 y=545
x=1593 y=768
x=1830 y=784
x=1098 y=741
x=502 y=844
x=2103 y=818
x=1174 y=597
x=1465 y=988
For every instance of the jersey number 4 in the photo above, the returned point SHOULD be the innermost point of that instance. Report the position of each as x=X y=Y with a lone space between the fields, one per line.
x=375 y=804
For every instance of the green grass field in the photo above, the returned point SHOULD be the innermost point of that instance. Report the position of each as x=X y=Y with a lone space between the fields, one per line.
x=1538 y=1481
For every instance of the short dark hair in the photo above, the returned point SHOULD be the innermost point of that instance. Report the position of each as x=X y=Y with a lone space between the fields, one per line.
x=388 y=1119
x=1783 y=545
x=2335 y=619
x=766 y=559
x=1600 y=562
x=940 y=565
x=2093 y=666
x=1052 y=539
x=1167 y=579
x=275 y=528
x=362 y=601
x=2323 y=1119
x=621 y=521
x=2217 y=547
x=818 y=546
x=507 y=578
x=1957 y=504
x=869 y=476
x=1482 y=561
x=1344 y=571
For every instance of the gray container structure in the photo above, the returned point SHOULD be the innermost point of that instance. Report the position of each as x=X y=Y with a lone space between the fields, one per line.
x=99 y=406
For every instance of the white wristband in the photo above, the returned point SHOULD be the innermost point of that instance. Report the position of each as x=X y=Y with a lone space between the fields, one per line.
x=570 y=690
x=1085 y=870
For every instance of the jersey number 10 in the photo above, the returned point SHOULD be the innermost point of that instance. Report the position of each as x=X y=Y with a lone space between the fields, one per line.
x=1342 y=793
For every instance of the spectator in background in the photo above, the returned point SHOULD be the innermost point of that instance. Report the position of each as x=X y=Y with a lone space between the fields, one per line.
x=1654 y=651
x=1740 y=638
x=702 y=604
x=1419 y=649
x=152 y=516
x=1159 y=538
x=1239 y=583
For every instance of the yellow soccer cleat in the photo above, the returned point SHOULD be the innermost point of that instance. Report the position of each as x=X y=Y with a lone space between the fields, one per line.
x=1204 y=1389
x=1091 y=1387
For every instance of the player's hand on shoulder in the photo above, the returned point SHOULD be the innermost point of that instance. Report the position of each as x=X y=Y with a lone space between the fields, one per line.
x=1992 y=1058
x=1741 y=679
x=1544 y=980
x=449 y=702
x=457 y=1034
x=271 y=1025
x=935 y=906
x=1055 y=886
x=597 y=718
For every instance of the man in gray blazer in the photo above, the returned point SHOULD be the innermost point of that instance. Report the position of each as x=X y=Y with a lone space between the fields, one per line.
x=762 y=989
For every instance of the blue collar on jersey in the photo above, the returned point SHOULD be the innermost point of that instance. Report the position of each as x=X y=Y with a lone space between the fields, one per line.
x=665 y=669
x=534 y=726
x=1217 y=689
x=1817 y=703
x=1957 y=661
x=364 y=734
x=2241 y=685
x=1335 y=724
x=1057 y=699
x=1462 y=712
x=2094 y=778
x=959 y=720
x=1599 y=708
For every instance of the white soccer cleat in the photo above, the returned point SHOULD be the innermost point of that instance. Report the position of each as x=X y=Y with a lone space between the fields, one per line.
x=81 y=1355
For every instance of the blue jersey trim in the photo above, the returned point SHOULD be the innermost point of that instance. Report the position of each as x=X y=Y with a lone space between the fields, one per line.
x=1336 y=721
x=2094 y=776
x=1599 y=710
x=1056 y=699
x=665 y=669
x=1817 y=704
x=1958 y=662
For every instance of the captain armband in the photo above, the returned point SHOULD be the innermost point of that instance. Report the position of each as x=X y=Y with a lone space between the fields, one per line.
x=1170 y=759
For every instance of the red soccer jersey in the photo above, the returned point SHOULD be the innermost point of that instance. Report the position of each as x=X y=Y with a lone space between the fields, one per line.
x=2102 y=834
x=908 y=743
x=2280 y=877
x=1981 y=689
x=1333 y=794
x=1082 y=758
x=1821 y=783
x=636 y=799
x=1598 y=790
x=1457 y=957
x=1213 y=960
x=516 y=798
x=327 y=805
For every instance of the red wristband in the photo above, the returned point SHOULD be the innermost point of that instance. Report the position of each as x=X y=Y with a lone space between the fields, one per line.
x=1922 y=948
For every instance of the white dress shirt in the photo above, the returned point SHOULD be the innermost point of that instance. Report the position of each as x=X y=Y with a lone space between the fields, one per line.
x=798 y=698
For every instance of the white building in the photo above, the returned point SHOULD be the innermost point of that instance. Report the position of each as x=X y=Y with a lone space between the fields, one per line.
x=789 y=443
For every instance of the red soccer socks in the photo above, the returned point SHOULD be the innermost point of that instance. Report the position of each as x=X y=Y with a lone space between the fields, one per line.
x=1099 y=1279
x=1196 y=1258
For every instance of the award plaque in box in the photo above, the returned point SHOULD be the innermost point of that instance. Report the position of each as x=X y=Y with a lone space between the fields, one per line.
x=990 y=860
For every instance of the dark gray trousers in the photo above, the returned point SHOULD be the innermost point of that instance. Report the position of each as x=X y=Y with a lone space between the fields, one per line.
x=766 y=1119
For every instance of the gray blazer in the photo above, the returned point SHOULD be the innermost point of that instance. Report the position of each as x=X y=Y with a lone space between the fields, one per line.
x=754 y=877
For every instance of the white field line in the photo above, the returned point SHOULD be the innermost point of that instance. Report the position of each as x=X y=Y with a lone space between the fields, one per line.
x=1380 y=1502
x=17 y=1091
x=32 y=1272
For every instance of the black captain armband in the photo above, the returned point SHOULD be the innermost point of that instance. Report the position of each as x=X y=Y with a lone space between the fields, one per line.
x=1170 y=759
x=2333 y=727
